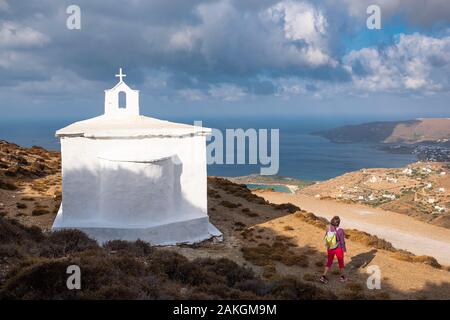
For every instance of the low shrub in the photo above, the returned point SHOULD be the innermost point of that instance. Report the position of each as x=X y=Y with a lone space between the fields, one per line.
x=269 y=271
x=309 y=277
x=265 y=254
x=238 y=190
x=289 y=207
x=409 y=257
x=138 y=248
x=213 y=194
x=310 y=218
x=230 y=205
x=39 y=211
x=65 y=242
x=7 y=185
x=21 y=205
x=239 y=224
x=290 y=288
x=319 y=263
x=368 y=240
x=355 y=287
x=127 y=270
x=13 y=232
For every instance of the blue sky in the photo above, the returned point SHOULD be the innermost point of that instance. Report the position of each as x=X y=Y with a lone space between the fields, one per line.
x=217 y=58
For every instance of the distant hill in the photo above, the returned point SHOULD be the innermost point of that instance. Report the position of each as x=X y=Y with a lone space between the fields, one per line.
x=410 y=132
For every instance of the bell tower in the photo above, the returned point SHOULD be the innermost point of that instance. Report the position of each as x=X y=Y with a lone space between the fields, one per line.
x=121 y=100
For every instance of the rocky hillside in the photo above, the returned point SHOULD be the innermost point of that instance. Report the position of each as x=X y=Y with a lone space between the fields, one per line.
x=269 y=250
x=30 y=184
x=421 y=190
x=409 y=132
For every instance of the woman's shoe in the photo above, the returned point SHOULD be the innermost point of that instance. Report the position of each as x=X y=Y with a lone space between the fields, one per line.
x=323 y=279
x=342 y=278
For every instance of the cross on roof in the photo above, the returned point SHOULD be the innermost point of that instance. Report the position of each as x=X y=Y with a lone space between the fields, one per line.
x=120 y=75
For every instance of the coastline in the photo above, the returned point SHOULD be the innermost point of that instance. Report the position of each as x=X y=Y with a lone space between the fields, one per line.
x=292 y=184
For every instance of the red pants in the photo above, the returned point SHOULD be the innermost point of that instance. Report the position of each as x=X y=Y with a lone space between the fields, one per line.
x=339 y=255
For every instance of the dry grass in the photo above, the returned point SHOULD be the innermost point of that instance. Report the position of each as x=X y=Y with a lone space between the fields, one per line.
x=236 y=189
x=355 y=287
x=7 y=185
x=240 y=225
x=213 y=194
x=382 y=296
x=407 y=256
x=249 y=213
x=37 y=267
x=229 y=205
x=21 y=205
x=289 y=207
x=40 y=210
x=40 y=186
x=269 y=271
x=264 y=254
x=309 y=277
x=370 y=240
x=319 y=263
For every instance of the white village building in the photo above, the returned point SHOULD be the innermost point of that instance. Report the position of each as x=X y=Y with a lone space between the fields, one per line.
x=129 y=177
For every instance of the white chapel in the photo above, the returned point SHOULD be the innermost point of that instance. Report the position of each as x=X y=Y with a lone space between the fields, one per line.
x=126 y=176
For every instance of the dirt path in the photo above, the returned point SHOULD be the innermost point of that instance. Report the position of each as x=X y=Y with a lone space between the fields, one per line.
x=253 y=223
x=402 y=231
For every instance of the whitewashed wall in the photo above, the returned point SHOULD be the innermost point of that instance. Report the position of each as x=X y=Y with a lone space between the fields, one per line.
x=117 y=183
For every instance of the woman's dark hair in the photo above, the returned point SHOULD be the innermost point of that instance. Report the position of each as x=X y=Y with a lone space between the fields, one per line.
x=335 y=221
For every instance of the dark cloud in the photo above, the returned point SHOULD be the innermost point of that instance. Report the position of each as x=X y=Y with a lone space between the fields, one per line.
x=311 y=87
x=262 y=88
x=206 y=41
x=197 y=44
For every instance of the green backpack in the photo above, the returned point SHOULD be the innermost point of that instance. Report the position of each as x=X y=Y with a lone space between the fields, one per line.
x=331 y=240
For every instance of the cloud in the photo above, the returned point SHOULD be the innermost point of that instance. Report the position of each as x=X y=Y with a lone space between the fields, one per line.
x=14 y=35
x=414 y=63
x=4 y=5
x=192 y=94
x=227 y=92
x=212 y=49
x=304 y=27
x=222 y=40
x=288 y=37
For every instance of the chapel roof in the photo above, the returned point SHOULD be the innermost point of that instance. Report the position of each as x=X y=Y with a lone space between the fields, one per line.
x=129 y=126
x=125 y=121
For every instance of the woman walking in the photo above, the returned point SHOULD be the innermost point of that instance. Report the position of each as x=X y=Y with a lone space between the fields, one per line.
x=335 y=242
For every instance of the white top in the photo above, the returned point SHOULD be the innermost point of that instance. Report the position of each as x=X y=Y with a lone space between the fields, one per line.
x=129 y=126
x=125 y=121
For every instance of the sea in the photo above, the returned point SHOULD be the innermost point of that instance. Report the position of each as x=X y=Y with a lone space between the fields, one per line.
x=274 y=187
x=302 y=155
